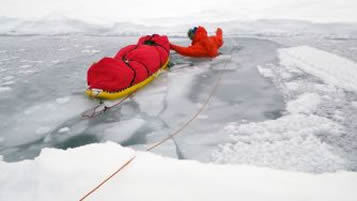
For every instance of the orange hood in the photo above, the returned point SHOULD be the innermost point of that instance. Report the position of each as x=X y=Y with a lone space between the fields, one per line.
x=200 y=34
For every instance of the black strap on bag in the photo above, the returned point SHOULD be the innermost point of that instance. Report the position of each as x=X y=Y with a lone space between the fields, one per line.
x=149 y=42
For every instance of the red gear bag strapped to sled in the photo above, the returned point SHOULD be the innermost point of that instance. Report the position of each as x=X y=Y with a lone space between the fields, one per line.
x=131 y=65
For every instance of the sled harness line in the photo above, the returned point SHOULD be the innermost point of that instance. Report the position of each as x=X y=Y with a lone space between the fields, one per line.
x=178 y=131
x=95 y=112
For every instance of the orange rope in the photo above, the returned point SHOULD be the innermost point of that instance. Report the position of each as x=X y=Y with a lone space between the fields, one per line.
x=163 y=140
x=108 y=178
x=192 y=118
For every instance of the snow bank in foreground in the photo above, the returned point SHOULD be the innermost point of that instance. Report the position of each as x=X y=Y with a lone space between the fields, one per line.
x=68 y=175
x=318 y=130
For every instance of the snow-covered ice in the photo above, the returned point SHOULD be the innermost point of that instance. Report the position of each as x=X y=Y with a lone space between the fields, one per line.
x=317 y=132
x=290 y=142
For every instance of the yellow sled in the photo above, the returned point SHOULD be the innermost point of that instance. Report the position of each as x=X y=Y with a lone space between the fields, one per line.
x=101 y=94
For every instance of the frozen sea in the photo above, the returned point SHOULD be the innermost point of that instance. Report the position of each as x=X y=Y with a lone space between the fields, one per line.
x=266 y=111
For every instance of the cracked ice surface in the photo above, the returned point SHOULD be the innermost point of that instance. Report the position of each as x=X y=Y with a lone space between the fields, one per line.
x=49 y=102
x=317 y=132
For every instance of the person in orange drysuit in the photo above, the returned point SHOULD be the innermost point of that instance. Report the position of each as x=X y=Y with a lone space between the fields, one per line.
x=202 y=45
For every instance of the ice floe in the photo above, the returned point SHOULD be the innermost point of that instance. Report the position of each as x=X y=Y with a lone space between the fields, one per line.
x=330 y=68
x=36 y=118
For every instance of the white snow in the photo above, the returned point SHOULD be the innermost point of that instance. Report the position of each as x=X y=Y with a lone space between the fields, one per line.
x=69 y=175
x=332 y=69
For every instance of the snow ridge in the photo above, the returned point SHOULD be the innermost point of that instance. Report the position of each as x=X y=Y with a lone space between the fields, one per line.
x=65 y=25
x=332 y=69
